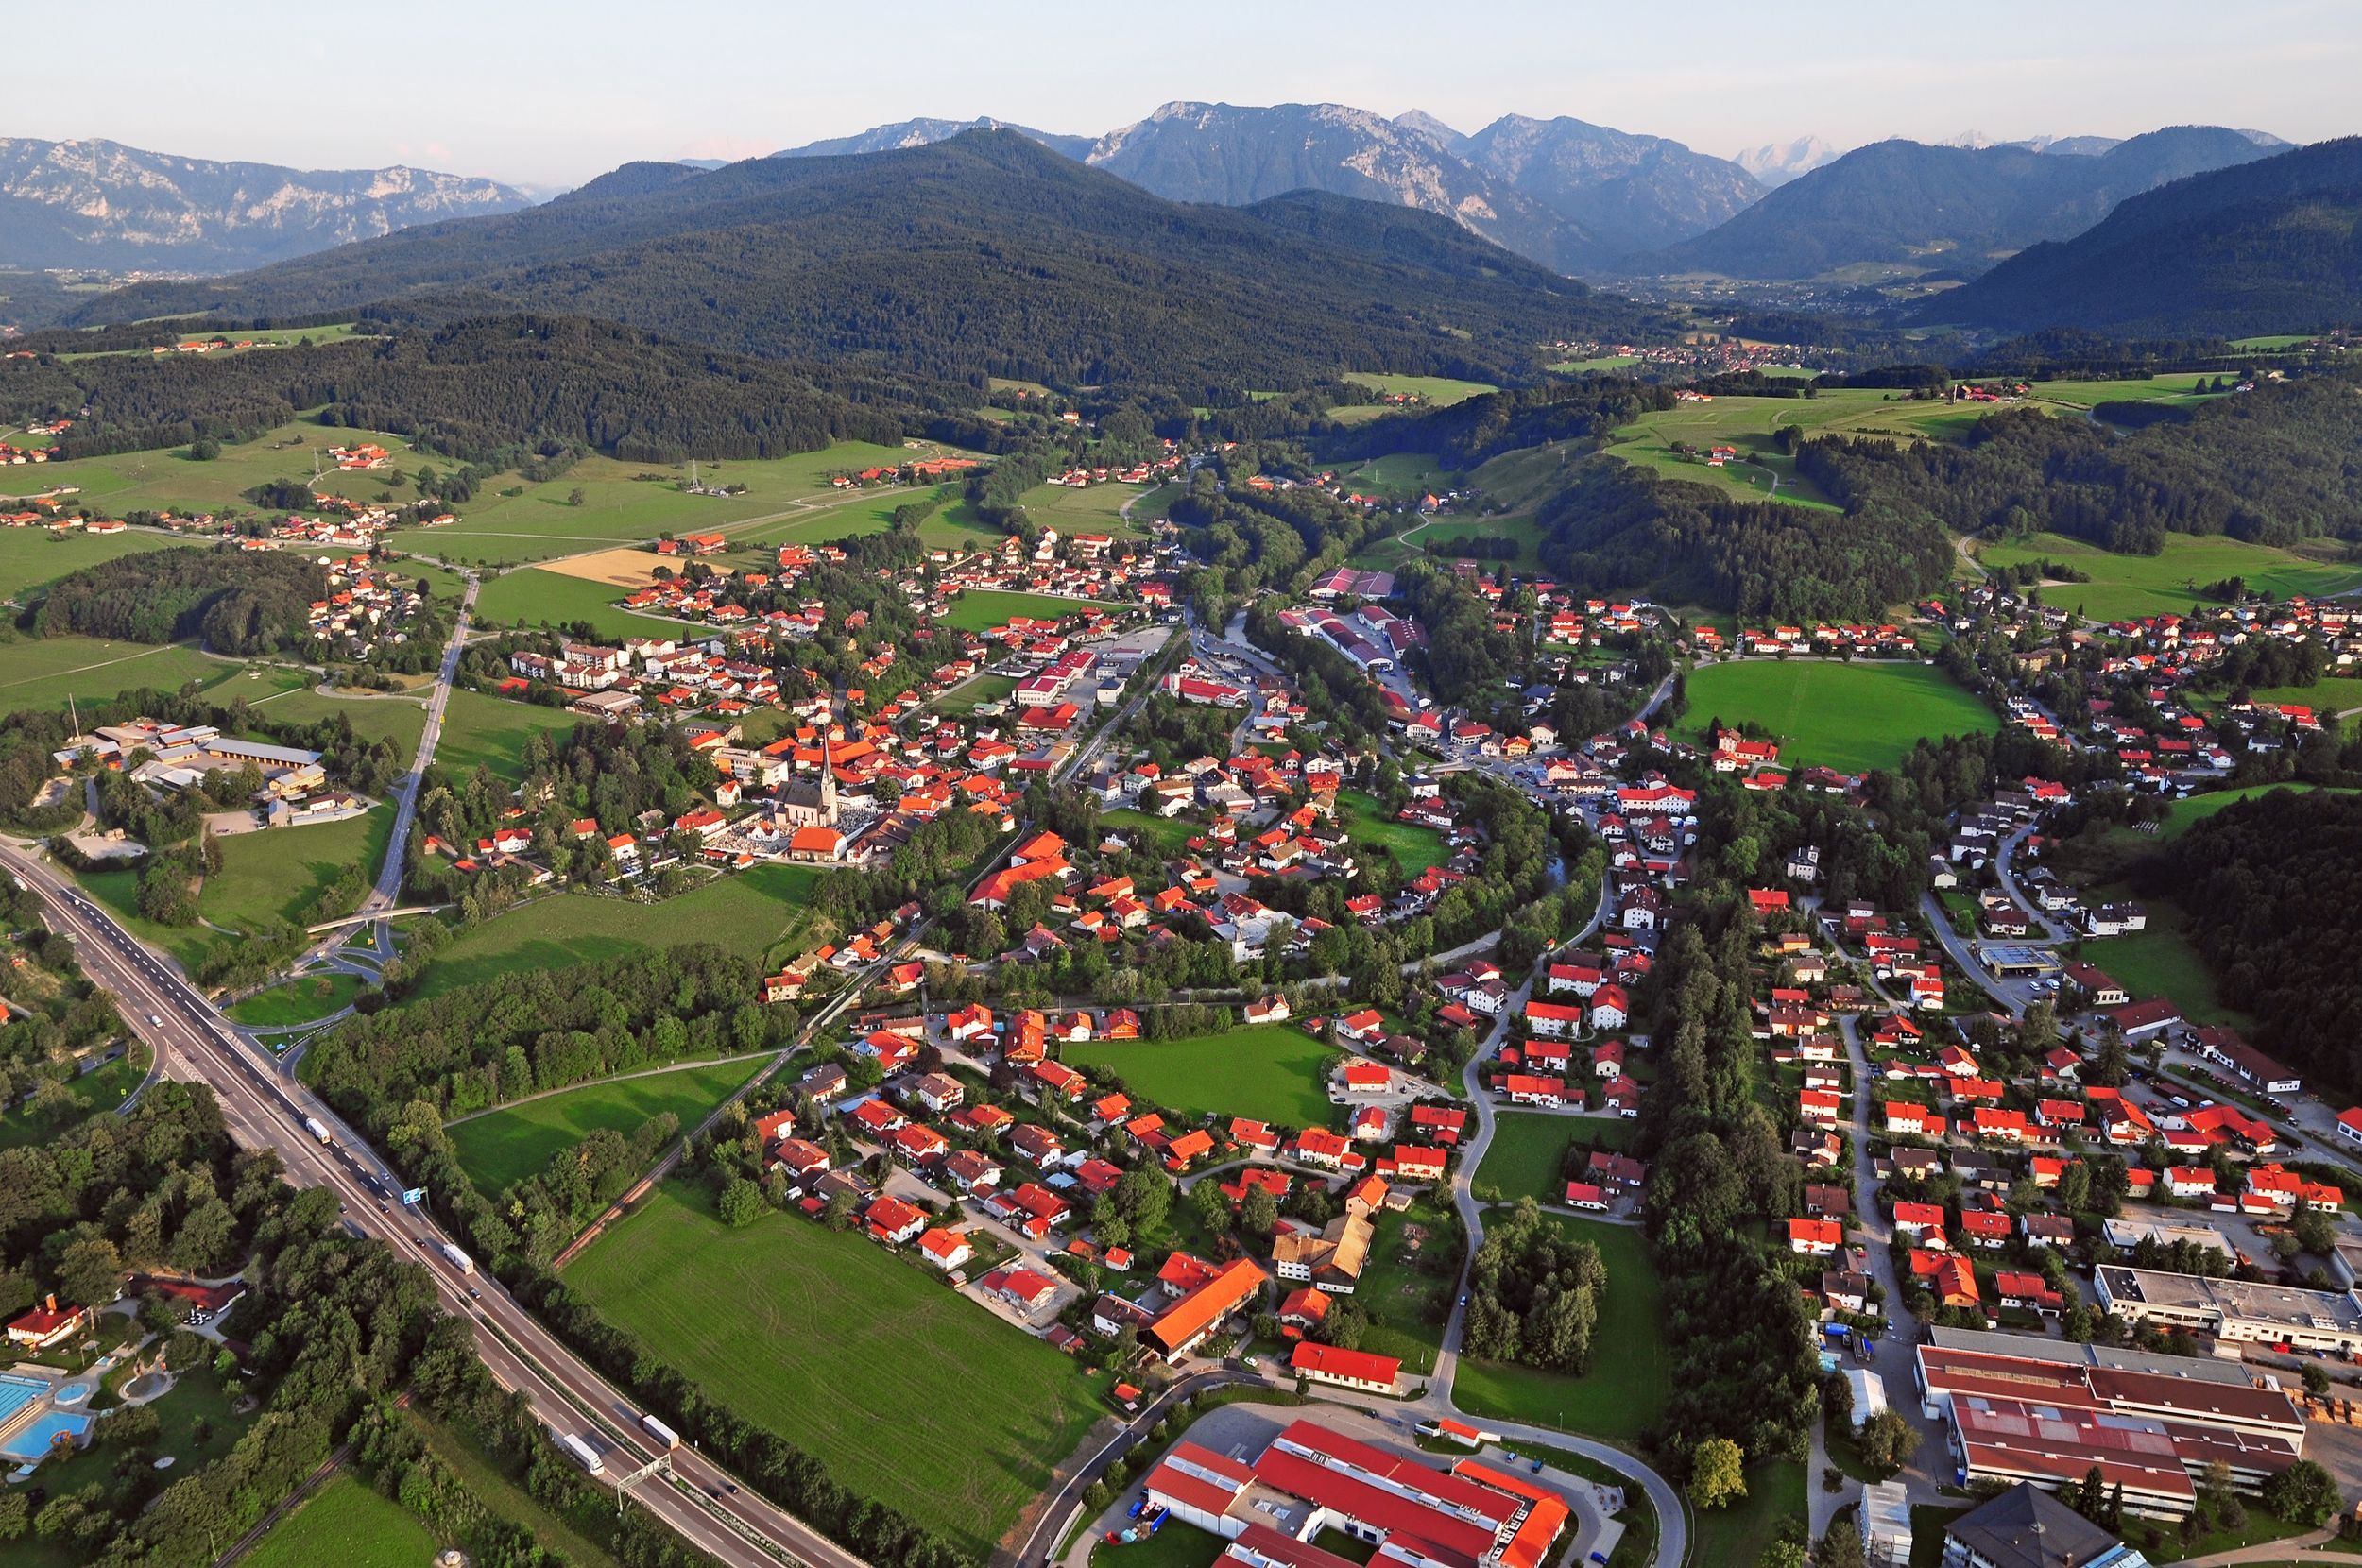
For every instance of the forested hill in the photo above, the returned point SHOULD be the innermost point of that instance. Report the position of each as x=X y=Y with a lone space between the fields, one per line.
x=2273 y=887
x=986 y=254
x=2270 y=466
x=482 y=384
x=2270 y=247
x=1904 y=204
x=238 y=602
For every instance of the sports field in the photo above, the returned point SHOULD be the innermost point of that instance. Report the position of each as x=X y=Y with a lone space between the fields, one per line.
x=1367 y=822
x=1272 y=1072
x=1851 y=717
x=348 y=1523
x=43 y=671
x=2125 y=587
x=910 y=1392
x=493 y=731
x=1624 y=1393
x=537 y=597
x=981 y=609
x=30 y=557
x=504 y=1146
x=751 y=913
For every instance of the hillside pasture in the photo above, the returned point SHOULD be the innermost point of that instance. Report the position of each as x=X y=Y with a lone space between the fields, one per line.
x=1749 y=423
x=2126 y=588
x=35 y=557
x=1848 y=716
x=853 y=1351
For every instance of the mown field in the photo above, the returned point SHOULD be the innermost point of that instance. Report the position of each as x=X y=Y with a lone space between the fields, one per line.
x=275 y=874
x=507 y=1145
x=43 y=671
x=1272 y=1072
x=2160 y=960
x=1367 y=822
x=2125 y=587
x=824 y=1336
x=1624 y=1393
x=32 y=557
x=1529 y=1150
x=376 y=716
x=348 y=1523
x=493 y=731
x=981 y=609
x=753 y=912
x=166 y=478
x=1091 y=509
x=299 y=1001
x=534 y=597
x=1851 y=717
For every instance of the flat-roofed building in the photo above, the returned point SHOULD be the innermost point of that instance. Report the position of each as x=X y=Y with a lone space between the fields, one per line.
x=1417 y=1516
x=2232 y=1309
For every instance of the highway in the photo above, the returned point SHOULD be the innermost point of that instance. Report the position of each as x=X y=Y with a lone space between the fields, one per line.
x=265 y=1109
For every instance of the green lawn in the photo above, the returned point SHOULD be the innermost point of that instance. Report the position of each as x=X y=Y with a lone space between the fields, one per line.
x=2160 y=961
x=32 y=557
x=536 y=597
x=1775 y=1491
x=348 y=1523
x=1177 y=1545
x=908 y=1391
x=492 y=731
x=376 y=717
x=1851 y=717
x=1089 y=510
x=978 y=691
x=1399 y=476
x=97 y=1091
x=1528 y=1147
x=43 y=671
x=753 y=913
x=1166 y=835
x=1624 y=1393
x=274 y=874
x=299 y=1001
x=1368 y=822
x=1408 y=1303
x=1272 y=1072
x=502 y=1147
x=2187 y=813
x=2328 y=697
x=2125 y=587
x=2175 y=386
x=982 y=609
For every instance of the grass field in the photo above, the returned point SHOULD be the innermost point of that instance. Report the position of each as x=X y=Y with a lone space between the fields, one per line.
x=1851 y=717
x=167 y=480
x=43 y=671
x=1091 y=509
x=751 y=913
x=1747 y=424
x=1399 y=476
x=1272 y=1072
x=2177 y=387
x=581 y=1538
x=1775 y=1491
x=348 y=1523
x=2160 y=961
x=502 y=1147
x=981 y=609
x=299 y=1001
x=1624 y=1393
x=2124 y=588
x=276 y=874
x=2332 y=697
x=1599 y=362
x=1367 y=822
x=536 y=598
x=1529 y=1148
x=375 y=717
x=31 y=558
x=97 y=1091
x=908 y=1391
x=493 y=731
x=1168 y=835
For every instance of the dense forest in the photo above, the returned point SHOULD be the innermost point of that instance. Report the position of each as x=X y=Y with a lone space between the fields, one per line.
x=236 y=601
x=1618 y=527
x=982 y=255
x=494 y=384
x=2273 y=890
x=2270 y=466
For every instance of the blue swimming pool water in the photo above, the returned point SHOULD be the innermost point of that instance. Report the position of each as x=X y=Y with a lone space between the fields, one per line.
x=74 y=1393
x=17 y=1392
x=38 y=1436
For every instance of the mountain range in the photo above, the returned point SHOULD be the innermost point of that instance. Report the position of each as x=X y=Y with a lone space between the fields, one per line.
x=987 y=254
x=100 y=204
x=1905 y=206
x=1574 y=197
x=2271 y=246
x=1775 y=163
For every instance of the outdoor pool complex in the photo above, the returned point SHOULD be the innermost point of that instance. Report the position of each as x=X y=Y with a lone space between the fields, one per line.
x=16 y=1393
x=36 y=1439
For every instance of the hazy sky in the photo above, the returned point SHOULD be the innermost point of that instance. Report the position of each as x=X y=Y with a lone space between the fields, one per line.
x=552 y=91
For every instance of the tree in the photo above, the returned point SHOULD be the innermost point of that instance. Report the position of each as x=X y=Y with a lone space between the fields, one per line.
x=1212 y=1206
x=2218 y=1497
x=1259 y=1212
x=1839 y=1548
x=1888 y=1441
x=742 y=1203
x=2316 y=1380
x=1717 y=1474
x=2075 y=1186
x=2304 y=1493
x=90 y=1271
x=204 y=450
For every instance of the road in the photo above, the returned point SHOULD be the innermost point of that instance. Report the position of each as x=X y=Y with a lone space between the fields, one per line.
x=264 y=1109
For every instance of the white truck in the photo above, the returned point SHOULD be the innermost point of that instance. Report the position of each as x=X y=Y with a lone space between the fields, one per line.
x=580 y=1452
x=313 y=1125
x=661 y=1432
x=458 y=1260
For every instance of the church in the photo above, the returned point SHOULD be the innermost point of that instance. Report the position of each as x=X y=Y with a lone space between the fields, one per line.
x=805 y=803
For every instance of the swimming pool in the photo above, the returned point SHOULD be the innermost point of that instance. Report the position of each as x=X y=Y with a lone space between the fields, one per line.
x=74 y=1393
x=17 y=1392
x=35 y=1440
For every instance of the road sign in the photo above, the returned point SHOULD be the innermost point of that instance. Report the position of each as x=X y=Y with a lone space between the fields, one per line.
x=414 y=1195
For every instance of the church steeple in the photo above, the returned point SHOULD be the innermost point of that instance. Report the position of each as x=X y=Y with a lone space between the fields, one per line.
x=828 y=780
